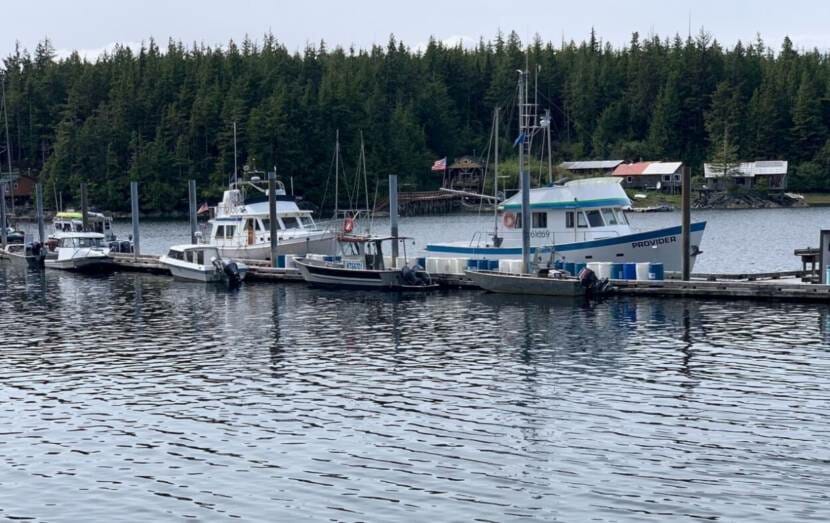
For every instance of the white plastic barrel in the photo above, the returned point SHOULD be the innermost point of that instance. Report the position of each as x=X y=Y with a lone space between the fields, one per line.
x=603 y=269
x=642 y=271
x=402 y=262
x=504 y=266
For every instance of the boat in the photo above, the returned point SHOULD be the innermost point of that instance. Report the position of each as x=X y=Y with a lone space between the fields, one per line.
x=14 y=235
x=202 y=263
x=72 y=221
x=240 y=227
x=361 y=265
x=29 y=255
x=78 y=251
x=577 y=221
x=526 y=284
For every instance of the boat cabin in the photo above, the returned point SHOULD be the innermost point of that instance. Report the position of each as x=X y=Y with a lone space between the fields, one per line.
x=579 y=210
x=198 y=254
x=367 y=252
x=80 y=240
x=72 y=221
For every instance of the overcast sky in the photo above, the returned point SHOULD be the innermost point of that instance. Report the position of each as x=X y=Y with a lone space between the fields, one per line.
x=93 y=25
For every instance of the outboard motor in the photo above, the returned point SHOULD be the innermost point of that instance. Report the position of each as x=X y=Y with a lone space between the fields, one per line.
x=231 y=273
x=126 y=246
x=408 y=276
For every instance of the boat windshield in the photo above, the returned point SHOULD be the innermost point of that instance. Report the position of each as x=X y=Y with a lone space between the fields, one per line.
x=610 y=217
x=291 y=222
x=80 y=243
x=307 y=222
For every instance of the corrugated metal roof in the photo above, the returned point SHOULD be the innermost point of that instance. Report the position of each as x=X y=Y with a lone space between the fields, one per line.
x=663 y=168
x=647 y=168
x=590 y=165
x=750 y=169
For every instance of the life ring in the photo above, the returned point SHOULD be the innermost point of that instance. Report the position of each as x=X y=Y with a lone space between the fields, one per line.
x=509 y=220
x=348 y=225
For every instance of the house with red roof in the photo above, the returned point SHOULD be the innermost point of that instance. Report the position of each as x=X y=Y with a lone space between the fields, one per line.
x=665 y=176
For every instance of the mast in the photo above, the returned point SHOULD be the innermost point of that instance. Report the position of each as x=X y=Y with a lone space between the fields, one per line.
x=235 y=177
x=365 y=175
x=8 y=143
x=550 y=158
x=496 y=180
x=524 y=176
x=336 y=171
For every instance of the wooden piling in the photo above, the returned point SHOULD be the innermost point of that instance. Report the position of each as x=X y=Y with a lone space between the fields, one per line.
x=272 y=215
x=191 y=198
x=41 y=227
x=84 y=208
x=685 y=240
x=134 y=216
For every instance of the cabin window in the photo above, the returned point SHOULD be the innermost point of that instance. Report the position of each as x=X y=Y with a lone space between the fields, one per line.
x=200 y=257
x=629 y=179
x=540 y=220
x=308 y=223
x=290 y=222
x=262 y=225
x=621 y=217
x=220 y=231
x=580 y=219
x=609 y=216
x=176 y=255
x=595 y=219
x=677 y=177
x=229 y=230
x=569 y=220
x=518 y=224
x=666 y=177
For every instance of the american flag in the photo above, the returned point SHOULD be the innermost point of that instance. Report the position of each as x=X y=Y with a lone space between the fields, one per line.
x=440 y=165
x=203 y=209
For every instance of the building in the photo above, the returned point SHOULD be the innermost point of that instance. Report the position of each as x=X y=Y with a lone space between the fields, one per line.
x=465 y=174
x=771 y=175
x=591 y=167
x=21 y=186
x=664 y=176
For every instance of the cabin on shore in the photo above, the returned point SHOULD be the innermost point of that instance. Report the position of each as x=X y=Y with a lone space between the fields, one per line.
x=769 y=175
x=19 y=186
x=663 y=176
x=590 y=168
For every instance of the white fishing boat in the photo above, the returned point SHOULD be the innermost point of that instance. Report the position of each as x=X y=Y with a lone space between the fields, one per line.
x=78 y=251
x=241 y=226
x=361 y=264
x=202 y=263
x=577 y=221
x=526 y=284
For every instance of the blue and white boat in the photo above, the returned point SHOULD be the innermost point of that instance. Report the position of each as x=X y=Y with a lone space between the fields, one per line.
x=579 y=221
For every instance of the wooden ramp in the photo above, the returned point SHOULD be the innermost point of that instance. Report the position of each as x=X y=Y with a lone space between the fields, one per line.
x=793 y=290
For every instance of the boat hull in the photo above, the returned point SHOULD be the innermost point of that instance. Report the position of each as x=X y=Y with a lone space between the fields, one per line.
x=18 y=259
x=86 y=264
x=657 y=246
x=341 y=277
x=525 y=284
x=196 y=274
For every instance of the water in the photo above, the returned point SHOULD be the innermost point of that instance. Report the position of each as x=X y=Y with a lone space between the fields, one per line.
x=132 y=397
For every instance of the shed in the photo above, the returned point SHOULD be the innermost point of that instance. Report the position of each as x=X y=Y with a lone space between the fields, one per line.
x=591 y=167
x=665 y=176
x=767 y=174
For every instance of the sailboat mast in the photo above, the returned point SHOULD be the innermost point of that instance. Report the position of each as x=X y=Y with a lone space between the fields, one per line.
x=365 y=174
x=550 y=158
x=524 y=175
x=336 y=171
x=8 y=143
x=235 y=171
x=496 y=179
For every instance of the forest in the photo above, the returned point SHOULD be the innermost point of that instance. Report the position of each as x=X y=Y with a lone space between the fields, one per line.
x=163 y=115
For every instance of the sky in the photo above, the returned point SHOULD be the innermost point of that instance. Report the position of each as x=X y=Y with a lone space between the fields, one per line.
x=91 y=26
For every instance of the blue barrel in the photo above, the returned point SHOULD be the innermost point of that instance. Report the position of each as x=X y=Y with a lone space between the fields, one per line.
x=422 y=262
x=570 y=267
x=483 y=265
x=281 y=261
x=493 y=265
x=558 y=265
x=472 y=264
x=578 y=268
x=630 y=271
x=655 y=271
x=617 y=271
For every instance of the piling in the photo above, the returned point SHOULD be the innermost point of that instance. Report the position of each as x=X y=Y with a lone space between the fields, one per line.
x=84 y=208
x=134 y=216
x=393 y=216
x=685 y=239
x=41 y=228
x=272 y=215
x=191 y=198
x=3 y=226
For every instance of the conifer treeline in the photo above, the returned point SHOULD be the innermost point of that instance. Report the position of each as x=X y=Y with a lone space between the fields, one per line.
x=164 y=116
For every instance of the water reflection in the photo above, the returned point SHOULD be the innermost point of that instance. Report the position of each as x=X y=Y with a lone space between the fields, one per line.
x=135 y=394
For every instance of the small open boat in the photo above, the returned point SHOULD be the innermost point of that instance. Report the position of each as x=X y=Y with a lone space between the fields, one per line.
x=361 y=265
x=202 y=263
x=25 y=255
x=526 y=284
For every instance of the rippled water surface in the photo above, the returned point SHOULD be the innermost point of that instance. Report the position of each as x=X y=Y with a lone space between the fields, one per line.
x=136 y=398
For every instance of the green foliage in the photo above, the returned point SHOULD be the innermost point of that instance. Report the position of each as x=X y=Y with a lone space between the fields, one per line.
x=164 y=115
